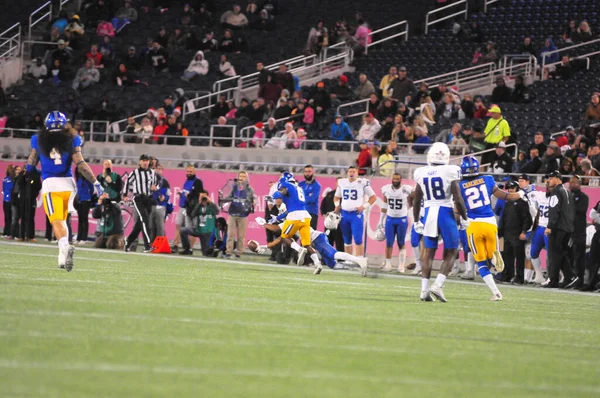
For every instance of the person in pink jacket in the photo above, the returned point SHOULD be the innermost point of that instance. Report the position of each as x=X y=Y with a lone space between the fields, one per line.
x=362 y=34
x=105 y=28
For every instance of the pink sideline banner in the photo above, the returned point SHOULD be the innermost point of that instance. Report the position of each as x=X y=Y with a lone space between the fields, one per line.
x=215 y=180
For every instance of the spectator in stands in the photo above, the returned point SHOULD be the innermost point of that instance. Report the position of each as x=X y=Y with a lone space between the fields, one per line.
x=124 y=16
x=564 y=70
x=533 y=164
x=107 y=50
x=177 y=40
x=283 y=110
x=546 y=58
x=402 y=87
x=318 y=37
x=588 y=171
x=38 y=70
x=437 y=93
x=203 y=18
x=374 y=104
x=86 y=76
x=263 y=73
x=386 y=109
x=162 y=38
x=105 y=109
x=270 y=91
x=285 y=79
x=131 y=60
x=158 y=58
x=448 y=109
x=593 y=109
x=225 y=67
x=501 y=162
x=62 y=53
x=384 y=84
x=133 y=131
x=527 y=47
x=71 y=107
x=497 y=130
x=520 y=93
x=538 y=143
x=97 y=12
x=159 y=130
x=265 y=21
x=584 y=33
x=342 y=91
x=258 y=138
x=57 y=73
x=468 y=106
x=369 y=129
x=475 y=33
x=448 y=135
x=552 y=160
x=105 y=28
x=322 y=103
x=570 y=32
x=230 y=44
x=220 y=108
x=421 y=139
x=95 y=56
x=501 y=92
x=123 y=77
x=340 y=131
x=176 y=133
x=76 y=29
x=198 y=66
x=491 y=55
x=234 y=19
x=364 y=160
x=365 y=88
x=61 y=22
x=362 y=35
x=36 y=123
x=566 y=168
x=387 y=126
x=209 y=43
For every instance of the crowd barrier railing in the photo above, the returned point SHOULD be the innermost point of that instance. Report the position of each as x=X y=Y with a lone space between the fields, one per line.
x=458 y=5
x=44 y=12
x=371 y=42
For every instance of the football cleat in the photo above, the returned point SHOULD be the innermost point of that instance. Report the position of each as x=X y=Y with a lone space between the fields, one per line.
x=301 y=256
x=467 y=276
x=438 y=293
x=497 y=297
x=318 y=269
x=425 y=296
x=69 y=252
x=498 y=261
x=386 y=268
x=127 y=246
x=416 y=271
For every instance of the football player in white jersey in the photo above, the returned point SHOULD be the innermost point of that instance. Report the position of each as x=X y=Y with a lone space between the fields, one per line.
x=538 y=207
x=437 y=184
x=351 y=192
x=394 y=219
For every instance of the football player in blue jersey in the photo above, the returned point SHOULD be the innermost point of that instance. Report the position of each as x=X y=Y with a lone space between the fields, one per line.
x=57 y=146
x=482 y=229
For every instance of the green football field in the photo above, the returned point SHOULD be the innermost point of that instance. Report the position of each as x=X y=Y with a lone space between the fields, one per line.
x=135 y=325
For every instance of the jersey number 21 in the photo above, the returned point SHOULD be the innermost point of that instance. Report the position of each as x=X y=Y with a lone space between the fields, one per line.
x=477 y=196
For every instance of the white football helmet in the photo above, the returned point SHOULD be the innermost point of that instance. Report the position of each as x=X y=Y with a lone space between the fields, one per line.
x=380 y=234
x=438 y=154
x=332 y=220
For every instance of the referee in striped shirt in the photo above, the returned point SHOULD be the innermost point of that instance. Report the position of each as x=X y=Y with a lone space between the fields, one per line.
x=142 y=182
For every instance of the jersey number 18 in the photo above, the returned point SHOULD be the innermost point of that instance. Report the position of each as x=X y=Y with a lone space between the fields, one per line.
x=434 y=188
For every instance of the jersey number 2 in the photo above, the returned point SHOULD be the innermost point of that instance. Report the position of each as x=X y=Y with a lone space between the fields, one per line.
x=477 y=196
x=57 y=157
x=434 y=186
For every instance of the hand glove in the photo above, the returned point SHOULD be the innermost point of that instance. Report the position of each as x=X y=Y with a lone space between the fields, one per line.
x=260 y=221
x=273 y=219
x=98 y=189
x=419 y=227
x=269 y=198
x=464 y=224
x=262 y=249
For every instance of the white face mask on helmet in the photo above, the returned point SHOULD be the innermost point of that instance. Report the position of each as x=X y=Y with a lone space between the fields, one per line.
x=438 y=154
x=332 y=220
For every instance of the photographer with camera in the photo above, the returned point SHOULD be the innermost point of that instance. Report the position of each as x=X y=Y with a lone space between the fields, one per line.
x=109 y=234
x=111 y=182
x=205 y=215
x=241 y=199
x=188 y=198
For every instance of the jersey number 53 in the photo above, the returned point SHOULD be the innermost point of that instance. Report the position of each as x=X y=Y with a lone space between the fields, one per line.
x=350 y=194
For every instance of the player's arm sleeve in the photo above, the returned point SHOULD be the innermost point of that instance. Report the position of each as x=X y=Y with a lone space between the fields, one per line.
x=282 y=216
x=34 y=156
x=82 y=167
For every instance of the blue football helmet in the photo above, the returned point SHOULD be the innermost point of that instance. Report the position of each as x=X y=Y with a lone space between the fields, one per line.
x=287 y=176
x=55 y=121
x=469 y=166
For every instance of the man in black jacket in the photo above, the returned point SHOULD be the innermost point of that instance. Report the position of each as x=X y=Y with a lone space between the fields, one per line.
x=582 y=202
x=561 y=219
x=501 y=161
x=514 y=224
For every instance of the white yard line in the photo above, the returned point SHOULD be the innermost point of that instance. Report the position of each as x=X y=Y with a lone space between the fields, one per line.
x=271 y=265
x=55 y=256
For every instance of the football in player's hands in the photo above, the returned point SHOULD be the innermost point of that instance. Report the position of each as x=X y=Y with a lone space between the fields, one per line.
x=252 y=245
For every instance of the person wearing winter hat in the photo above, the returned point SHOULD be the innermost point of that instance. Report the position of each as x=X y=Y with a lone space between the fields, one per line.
x=259 y=135
x=290 y=134
x=342 y=91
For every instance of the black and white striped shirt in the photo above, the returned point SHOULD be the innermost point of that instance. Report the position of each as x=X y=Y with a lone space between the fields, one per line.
x=140 y=181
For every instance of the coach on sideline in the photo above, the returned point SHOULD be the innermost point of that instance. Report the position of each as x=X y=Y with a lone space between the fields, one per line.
x=561 y=219
x=312 y=192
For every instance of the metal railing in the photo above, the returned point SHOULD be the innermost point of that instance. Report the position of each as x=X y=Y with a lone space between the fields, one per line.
x=245 y=131
x=454 y=5
x=251 y=80
x=462 y=75
x=10 y=41
x=584 y=56
x=544 y=65
x=328 y=65
x=212 y=137
x=205 y=102
x=384 y=29
x=564 y=131
x=46 y=12
x=486 y=3
x=352 y=104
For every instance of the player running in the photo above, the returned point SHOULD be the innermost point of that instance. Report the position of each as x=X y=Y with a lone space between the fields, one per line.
x=538 y=208
x=297 y=219
x=437 y=184
x=416 y=238
x=351 y=192
x=481 y=226
x=56 y=147
x=394 y=213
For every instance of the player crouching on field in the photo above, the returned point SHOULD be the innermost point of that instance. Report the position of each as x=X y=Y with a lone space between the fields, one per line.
x=109 y=233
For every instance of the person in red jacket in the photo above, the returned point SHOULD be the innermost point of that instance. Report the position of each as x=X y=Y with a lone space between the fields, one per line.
x=270 y=91
x=364 y=158
x=159 y=130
